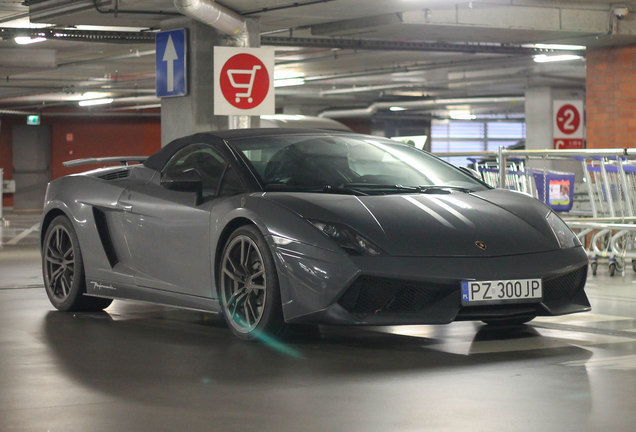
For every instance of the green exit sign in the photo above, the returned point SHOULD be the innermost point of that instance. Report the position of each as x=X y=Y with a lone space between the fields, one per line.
x=33 y=120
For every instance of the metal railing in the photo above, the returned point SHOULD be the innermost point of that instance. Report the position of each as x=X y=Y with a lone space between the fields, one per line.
x=503 y=154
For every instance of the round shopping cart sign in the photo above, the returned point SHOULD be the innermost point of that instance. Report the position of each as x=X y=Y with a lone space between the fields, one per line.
x=568 y=119
x=244 y=81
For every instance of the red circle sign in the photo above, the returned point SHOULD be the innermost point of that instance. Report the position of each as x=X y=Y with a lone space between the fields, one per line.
x=244 y=81
x=568 y=119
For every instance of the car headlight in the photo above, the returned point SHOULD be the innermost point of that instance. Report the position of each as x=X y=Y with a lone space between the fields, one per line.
x=562 y=232
x=347 y=238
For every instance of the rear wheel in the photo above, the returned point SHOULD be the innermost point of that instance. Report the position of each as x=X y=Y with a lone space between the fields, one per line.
x=248 y=286
x=63 y=269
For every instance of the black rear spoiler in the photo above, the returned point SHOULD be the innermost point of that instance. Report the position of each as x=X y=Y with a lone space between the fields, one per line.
x=122 y=160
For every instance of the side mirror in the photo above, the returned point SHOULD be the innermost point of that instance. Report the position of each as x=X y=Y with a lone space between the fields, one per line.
x=186 y=181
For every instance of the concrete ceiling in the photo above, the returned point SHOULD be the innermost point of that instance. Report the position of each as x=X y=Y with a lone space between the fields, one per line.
x=352 y=53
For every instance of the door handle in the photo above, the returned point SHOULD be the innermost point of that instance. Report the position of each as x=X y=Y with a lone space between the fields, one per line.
x=125 y=207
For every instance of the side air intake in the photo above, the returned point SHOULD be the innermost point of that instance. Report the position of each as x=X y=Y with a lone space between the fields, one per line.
x=104 y=235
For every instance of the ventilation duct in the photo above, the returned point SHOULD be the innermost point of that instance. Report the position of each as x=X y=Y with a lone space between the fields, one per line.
x=213 y=14
x=418 y=104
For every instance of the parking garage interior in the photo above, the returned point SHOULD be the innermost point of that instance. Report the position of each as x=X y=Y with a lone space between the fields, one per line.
x=455 y=76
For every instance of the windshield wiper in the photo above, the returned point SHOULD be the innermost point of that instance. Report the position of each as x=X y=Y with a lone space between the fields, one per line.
x=442 y=188
x=343 y=189
x=402 y=188
x=389 y=187
x=340 y=189
x=365 y=188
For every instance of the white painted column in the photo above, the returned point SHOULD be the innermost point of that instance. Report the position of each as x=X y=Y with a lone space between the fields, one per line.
x=194 y=112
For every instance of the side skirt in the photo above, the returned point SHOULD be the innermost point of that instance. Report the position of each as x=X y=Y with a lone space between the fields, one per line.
x=108 y=290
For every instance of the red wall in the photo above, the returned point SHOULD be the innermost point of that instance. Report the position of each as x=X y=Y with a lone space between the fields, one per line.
x=73 y=139
x=611 y=97
x=81 y=137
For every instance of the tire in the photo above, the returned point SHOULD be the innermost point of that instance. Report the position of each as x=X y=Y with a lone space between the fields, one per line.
x=612 y=269
x=63 y=270
x=594 y=266
x=249 y=293
x=509 y=321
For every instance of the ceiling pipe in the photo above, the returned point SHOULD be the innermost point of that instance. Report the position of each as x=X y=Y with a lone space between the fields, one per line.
x=374 y=107
x=364 y=89
x=214 y=15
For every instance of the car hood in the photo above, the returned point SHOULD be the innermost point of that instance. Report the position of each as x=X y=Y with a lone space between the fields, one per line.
x=449 y=224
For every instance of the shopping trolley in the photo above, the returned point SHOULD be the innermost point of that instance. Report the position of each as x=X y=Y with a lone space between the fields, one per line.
x=612 y=192
x=231 y=74
x=554 y=188
x=516 y=174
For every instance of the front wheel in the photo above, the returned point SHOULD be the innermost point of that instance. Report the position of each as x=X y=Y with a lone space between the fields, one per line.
x=248 y=286
x=63 y=269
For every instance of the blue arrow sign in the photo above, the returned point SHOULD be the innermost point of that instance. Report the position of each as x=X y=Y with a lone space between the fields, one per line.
x=170 y=61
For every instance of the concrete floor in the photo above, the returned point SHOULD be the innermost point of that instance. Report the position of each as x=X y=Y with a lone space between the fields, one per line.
x=140 y=367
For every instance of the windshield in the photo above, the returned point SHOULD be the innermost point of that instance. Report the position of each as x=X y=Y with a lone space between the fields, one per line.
x=355 y=164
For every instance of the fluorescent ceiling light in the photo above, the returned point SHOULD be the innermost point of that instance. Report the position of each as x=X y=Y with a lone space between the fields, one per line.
x=397 y=108
x=461 y=115
x=26 y=40
x=543 y=58
x=24 y=23
x=286 y=78
x=91 y=95
x=409 y=93
x=91 y=102
x=289 y=82
x=280 y=74
x=559 y=47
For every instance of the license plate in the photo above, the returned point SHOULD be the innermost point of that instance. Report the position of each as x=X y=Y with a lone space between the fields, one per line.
x=501 y=291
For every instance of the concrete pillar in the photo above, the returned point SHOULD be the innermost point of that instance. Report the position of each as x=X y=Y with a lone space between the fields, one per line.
x=539 y=115
x=192 y=113
x=611 y=97
x=539 y=124
x=538 y=107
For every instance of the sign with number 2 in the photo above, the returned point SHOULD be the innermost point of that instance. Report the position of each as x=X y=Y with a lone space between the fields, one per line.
x=568 y=125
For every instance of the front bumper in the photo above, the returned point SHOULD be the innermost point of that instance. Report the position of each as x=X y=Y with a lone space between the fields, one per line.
x=334 y=288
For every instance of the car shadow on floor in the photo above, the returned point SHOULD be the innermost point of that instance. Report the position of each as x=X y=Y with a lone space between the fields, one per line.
x=130 y=356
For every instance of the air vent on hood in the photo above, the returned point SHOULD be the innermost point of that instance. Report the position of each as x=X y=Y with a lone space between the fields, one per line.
x=115 y=175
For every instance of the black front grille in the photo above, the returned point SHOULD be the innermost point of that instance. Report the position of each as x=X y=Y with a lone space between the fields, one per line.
x=372 y=295
x=115 y=175
x=565 y=286
x=380 y=295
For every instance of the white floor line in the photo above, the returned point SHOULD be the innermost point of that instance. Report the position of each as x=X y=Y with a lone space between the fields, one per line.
x=23 y=234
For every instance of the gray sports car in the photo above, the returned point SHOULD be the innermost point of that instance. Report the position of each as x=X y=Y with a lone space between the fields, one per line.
x=273 y=227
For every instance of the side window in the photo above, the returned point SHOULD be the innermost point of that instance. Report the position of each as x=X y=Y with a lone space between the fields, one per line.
x=204 y=160
x=231 y=184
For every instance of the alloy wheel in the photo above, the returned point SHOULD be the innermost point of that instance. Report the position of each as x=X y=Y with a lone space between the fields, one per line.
x=243 y=284
x=59 y=263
